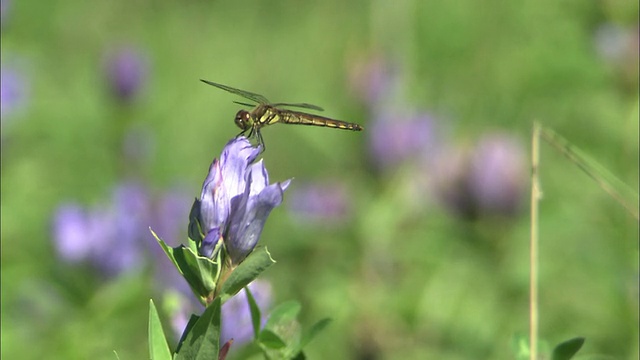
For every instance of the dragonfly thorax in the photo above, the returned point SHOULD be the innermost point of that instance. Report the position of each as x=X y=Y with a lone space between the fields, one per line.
x=243 y=120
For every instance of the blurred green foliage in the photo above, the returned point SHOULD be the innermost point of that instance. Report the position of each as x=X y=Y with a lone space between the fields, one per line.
x=403 y=278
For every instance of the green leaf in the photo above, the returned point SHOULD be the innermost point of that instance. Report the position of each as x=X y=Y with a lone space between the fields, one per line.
x=611 y=184
x=300 y=356
x=520 y=346
x=566 y=349
x=158 y=347
x=200 y=272
x=283 y=322
x=309 y=335
x=283 y=314
x=192 y=321
x=248 y=270
x=195 y=229
x=203 y=341
x=271 y=340
x=313 y=332
x=255 y=312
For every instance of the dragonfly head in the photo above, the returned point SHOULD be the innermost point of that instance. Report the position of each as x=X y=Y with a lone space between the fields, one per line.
x=243 y=120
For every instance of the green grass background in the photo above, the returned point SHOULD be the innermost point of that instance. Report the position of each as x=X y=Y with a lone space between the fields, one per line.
x=403 y=279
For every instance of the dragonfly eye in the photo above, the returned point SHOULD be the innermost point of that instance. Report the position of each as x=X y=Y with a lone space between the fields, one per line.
x=243 y=119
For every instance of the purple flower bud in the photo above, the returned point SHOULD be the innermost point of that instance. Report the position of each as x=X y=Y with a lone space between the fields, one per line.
x=236 y=199
x=236 y=315
x=126 y=71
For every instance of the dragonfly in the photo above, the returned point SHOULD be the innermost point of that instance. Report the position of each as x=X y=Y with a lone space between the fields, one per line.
x=266 y=113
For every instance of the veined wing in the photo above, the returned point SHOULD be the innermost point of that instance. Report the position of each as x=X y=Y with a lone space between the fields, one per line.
x=245 y=94
x=259 y=98
x=299 y=105
x=297 y=117
x=245 y=104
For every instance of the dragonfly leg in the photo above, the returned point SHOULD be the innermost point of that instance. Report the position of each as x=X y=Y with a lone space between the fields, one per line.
x=254 y=134
x=260 y=141
x=242 y=133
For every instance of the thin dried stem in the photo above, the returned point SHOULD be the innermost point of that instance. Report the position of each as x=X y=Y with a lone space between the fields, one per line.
x=536 y=194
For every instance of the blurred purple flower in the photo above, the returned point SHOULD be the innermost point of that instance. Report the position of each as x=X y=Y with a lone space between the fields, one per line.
x=180 y=307
x=394 y=139
x=620 y=48
x=371 y=79
x=616 y=43
x=321 y=202
x=72 y=230
x=498 y=174
x=170 y=215
x=180 y=316
x=236 y=315
x=130 y=216
x=112 y=237
x=236 y=199
x=5 y=5
x=13 y=92
x=488 y=179
x=449 y=181
x=126 y=71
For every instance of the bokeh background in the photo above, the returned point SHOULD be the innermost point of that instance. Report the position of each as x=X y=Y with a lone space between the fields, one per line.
x=412 y=235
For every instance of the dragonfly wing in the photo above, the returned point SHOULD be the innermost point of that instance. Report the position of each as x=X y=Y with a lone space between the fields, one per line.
x=244 y=104
x=245 y=94
x=300 y=105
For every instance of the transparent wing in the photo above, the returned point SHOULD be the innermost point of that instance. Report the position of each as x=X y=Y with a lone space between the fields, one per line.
x=244 y=104
x=300 y=105
x=245 y=94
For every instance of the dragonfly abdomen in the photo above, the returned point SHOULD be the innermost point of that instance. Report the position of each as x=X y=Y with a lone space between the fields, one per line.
x=294 y=117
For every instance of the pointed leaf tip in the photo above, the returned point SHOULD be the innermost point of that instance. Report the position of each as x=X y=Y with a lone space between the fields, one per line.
x=158 y=347
x=567 y=349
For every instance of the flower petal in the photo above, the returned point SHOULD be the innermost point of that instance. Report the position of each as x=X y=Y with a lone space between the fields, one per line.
x=259 y=178
x=210 y=214
x=247 y=223
x=209 y=242
x=235 y=159
x=226 y=180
